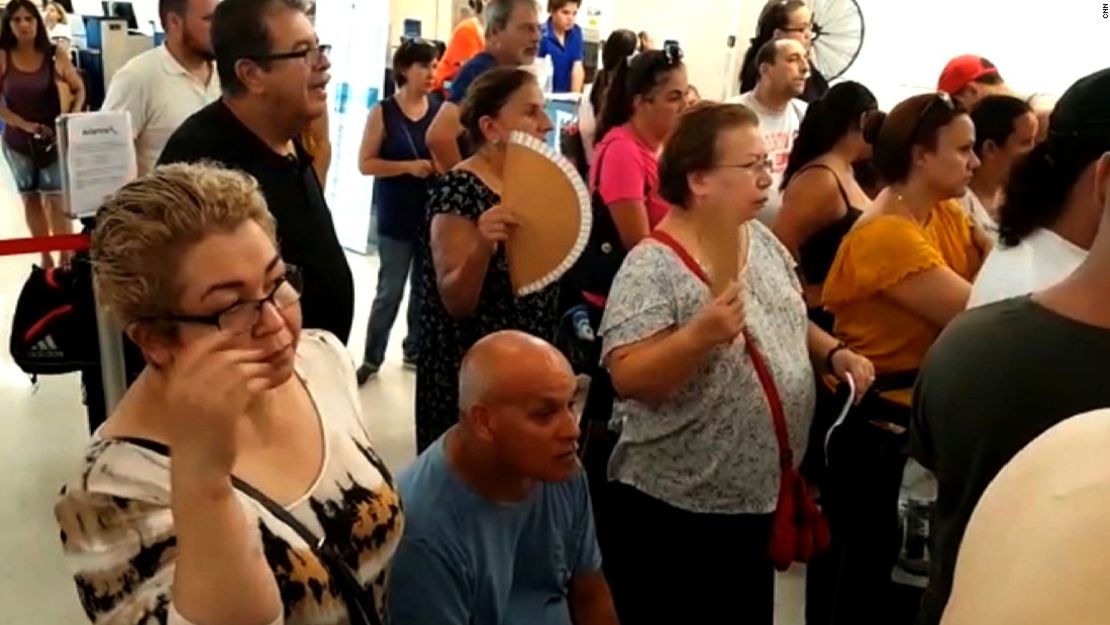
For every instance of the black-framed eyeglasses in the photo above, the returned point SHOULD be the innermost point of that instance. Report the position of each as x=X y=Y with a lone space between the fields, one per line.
x=763 y=164
x=313 y=56
x=243 y=316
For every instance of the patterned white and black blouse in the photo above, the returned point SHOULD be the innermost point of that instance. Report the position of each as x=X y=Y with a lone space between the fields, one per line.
x=117 y=526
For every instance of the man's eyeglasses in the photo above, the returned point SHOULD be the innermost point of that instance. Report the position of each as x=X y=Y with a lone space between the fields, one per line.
x=313 y=56
x=763 y=164
x=242 y=317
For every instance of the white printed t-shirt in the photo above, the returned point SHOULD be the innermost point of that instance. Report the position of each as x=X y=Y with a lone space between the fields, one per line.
x=780 y=129
x=160 y=94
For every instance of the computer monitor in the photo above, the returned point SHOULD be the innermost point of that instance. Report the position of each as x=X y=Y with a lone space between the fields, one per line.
x=122 y=10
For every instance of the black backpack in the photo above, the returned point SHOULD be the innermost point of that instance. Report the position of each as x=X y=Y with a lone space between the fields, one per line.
x=595 y=269
x=54 y=326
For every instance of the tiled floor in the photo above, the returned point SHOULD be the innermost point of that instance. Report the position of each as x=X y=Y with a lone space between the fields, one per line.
x=42 y=433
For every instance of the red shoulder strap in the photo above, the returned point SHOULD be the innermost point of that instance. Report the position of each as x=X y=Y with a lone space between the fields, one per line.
x=682 y=254
x=763 y=372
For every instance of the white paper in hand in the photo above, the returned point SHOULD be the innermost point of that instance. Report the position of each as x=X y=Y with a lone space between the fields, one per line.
x=99 y=158
x=843 y=414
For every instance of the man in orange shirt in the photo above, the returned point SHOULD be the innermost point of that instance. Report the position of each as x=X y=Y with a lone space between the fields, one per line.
x=467 y=41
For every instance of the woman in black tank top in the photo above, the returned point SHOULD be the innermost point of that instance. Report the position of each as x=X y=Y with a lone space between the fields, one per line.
x=822 y=200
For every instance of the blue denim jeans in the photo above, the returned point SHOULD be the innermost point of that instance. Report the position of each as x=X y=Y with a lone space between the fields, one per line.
x=31 y=179
x=398 y=265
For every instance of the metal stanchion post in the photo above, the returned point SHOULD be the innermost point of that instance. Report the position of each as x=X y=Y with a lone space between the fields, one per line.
x=112 y=372
x=107 y=163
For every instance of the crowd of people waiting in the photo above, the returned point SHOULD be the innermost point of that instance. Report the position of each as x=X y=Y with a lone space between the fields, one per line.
x=237 y=482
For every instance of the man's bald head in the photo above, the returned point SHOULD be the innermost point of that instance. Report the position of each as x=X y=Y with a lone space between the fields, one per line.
x=1034 y=551
x=770 y=52
x=504 y=366
x=515 y=394
x=783 y=67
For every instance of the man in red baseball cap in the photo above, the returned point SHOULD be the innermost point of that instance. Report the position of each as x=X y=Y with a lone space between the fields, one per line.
x=970 y=78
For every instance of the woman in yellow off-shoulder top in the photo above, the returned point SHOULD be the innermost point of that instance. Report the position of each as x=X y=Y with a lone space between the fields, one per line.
x=901 y=274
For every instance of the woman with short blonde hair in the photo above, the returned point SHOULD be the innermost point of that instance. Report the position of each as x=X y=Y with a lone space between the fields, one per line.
x=275 y=508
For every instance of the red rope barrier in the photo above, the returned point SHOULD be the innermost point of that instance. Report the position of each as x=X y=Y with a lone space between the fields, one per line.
x=42 y=245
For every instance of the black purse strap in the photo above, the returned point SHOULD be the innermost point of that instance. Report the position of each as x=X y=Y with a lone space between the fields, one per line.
x=341 y=574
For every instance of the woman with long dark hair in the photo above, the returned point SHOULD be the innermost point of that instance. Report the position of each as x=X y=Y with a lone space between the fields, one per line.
x=791 y=19
x=1005 y=130
x=642 y=105
x=32 y=101
x=620 y=45
x=644 y=98
x=822 y=200
x=1050 y=215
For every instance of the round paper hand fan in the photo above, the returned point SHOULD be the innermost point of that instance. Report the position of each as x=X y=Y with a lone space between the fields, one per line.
x=552 y=207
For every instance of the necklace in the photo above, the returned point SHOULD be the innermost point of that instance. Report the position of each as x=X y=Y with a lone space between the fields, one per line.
x=909 y=209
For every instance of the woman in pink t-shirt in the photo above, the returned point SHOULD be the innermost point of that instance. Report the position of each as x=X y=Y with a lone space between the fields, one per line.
x=643 y=103
x=644 y=99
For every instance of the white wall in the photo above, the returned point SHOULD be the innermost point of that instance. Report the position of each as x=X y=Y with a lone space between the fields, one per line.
x=1038 y=45
x=701 y=26
x=435 y=17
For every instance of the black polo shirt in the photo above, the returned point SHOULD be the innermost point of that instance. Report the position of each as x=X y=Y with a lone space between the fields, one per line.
x=304 y=224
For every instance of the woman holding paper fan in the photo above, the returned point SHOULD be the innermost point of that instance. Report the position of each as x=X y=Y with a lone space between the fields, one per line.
x=698 y=454
x=466 y=286
x=39 y=83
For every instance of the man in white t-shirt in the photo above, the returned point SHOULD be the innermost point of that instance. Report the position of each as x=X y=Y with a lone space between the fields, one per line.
x=783 y=70
x=163 y=87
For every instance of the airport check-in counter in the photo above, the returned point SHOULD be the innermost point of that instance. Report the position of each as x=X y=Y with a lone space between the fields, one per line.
x=108 y=46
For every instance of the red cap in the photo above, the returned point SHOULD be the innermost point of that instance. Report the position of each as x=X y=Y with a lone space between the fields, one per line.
x=962 y=71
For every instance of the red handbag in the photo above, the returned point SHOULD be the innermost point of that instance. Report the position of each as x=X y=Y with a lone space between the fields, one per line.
x=799 y=530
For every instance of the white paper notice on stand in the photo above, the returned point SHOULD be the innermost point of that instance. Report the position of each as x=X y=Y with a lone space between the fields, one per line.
x=99 y=158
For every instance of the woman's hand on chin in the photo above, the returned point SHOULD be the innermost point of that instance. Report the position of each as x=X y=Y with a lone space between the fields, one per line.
x=209 y=388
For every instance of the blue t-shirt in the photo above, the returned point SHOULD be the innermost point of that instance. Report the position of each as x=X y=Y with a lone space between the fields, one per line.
x=465 y=560
x=475 y=67
x=563 y=56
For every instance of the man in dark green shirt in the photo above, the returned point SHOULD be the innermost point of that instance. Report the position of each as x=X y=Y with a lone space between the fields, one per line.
x=1000 y=376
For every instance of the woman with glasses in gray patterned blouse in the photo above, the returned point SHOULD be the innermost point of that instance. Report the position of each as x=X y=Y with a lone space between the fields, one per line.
x=695 y=474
